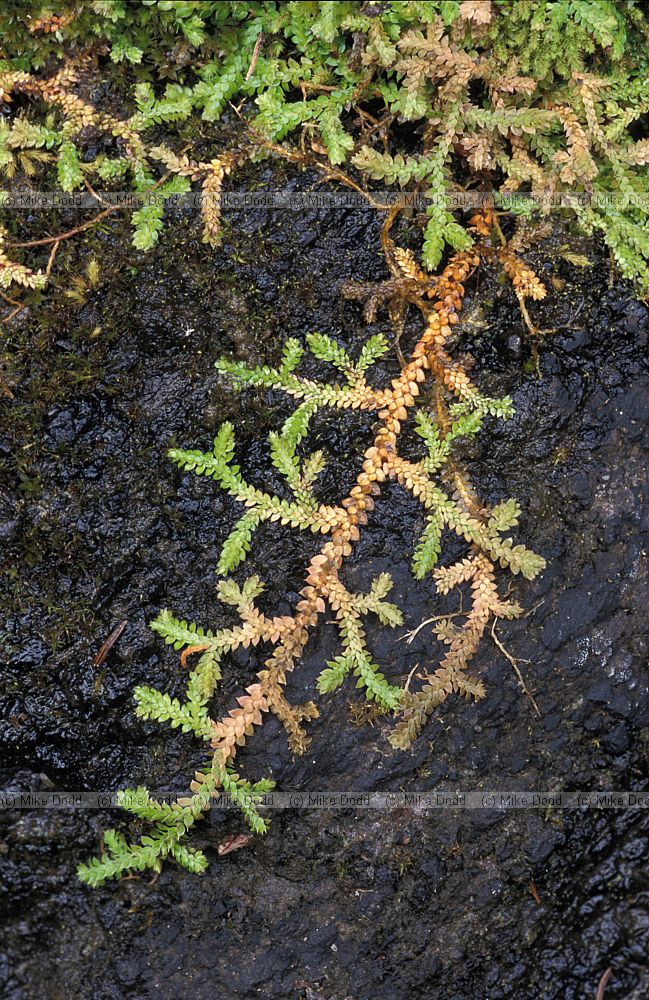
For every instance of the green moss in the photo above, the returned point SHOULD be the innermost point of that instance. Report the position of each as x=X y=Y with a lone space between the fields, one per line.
x=495 y=108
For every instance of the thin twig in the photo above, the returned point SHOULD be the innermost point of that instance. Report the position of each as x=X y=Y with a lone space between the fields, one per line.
x=407 y=684
x=53 y=253
x=320 y=87
x=514 y=664
x=105 y=649
x=342 y=178
x=399 y=352
x=305 y=159
x=46 y=240
x=14 y=312
x=501 y=235
x=12 y=302
x=409 y=636
x=603 y=983
x=534 y=331
x=255 y=55
x=92 y=191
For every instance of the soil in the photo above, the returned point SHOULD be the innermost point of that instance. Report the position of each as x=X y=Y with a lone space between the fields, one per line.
x=98 y=526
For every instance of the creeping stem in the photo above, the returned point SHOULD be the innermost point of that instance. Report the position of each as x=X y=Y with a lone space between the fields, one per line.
x=428 y=356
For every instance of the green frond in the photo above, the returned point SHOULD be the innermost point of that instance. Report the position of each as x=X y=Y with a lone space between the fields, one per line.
x=466 y=424
x=355 y=657
x=504 y=516
x=387 y=613
x=220 y=82
x=600 y=19
x=433 y=245
x=204 y=678
x=224 y=443
x=470 y=423
x=368 y=676
x=242 y=597
x=376 y=686
x=502 y=408
x=304 y=514
x=68 y=167
x=372 y=350
x=283 y=457
x=428 y=430
x=311 y=468
x=270 y=378
x=326 y=349
x=282 y=378
x=188 y=857
x=333 y=676
x=190 y=717
x=138 y=802
x=202 y=463
x=291 y=356
x=517 y=558
x=118 y=859
x=175 y=105
x=112 y=169
x=381 y=586
x=237 y=545
x=337 y=141
x=206 y=674
x=263 y=786
x=296 y=426
x=245 y=797
x=168 y=825
x=177 y=632
x=147 y=221
x=428 y=548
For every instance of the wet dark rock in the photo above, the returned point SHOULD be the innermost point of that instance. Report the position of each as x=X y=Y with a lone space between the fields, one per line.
x=364 y=904
x=572 y=340
x=8 y=528
x=635 y=319
x=621 y=704
x=575 y=611
x=602 y=691
x=617 y=739
x=484 y=819
x=543 y=846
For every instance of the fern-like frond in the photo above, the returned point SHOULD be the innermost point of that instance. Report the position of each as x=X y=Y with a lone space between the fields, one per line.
x=428 y=548
x=190 y=717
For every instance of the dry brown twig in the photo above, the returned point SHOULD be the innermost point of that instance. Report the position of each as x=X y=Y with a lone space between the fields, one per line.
x=603 y=983
x=46 y=240
x=514 y=662
x=255 y=54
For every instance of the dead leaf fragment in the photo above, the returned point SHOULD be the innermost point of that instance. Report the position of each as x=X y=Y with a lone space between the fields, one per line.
x=478 y=11
x=234 y=843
